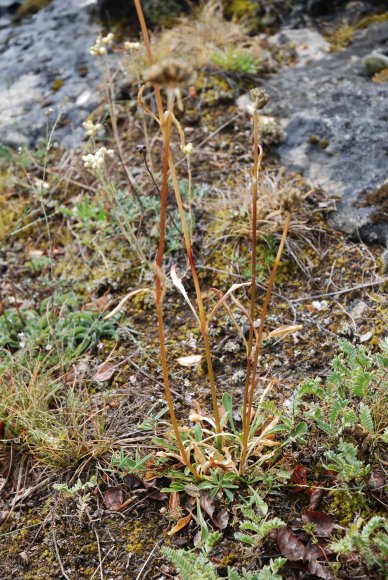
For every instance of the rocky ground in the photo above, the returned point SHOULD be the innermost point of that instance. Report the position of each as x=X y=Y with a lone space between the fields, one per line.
x=332 y=113
x=76 y=388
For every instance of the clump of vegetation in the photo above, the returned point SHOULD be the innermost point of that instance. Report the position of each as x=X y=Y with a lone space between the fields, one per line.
x=46 y=418
x=29 y=7
x=353 y=397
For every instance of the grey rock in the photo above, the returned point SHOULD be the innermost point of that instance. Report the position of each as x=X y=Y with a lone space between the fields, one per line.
x=49 y=46
x=309 y=45
x=336 y=125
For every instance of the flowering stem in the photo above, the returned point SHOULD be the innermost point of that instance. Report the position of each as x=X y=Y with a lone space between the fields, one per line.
x=201 y=310
x=256 y=161
x=259 y=340
x=159 y=309
x=166 y=130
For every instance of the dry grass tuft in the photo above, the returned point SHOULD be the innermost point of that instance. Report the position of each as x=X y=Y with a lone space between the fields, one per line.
x=42 y=416
x=197 y=41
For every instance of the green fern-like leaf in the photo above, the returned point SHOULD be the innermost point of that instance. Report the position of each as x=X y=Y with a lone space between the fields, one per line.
x=366 y=419
x=245 y=538
x=190 y=565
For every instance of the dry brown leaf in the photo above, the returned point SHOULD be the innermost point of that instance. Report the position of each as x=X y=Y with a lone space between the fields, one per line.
x=289 y=545
x=180 y=524
x=105 y=372
x=218 y=515
x=299 y=478
x=113 y=498
x=324 y=523
x=315 y=498
x=174 y=505
x=284 y=330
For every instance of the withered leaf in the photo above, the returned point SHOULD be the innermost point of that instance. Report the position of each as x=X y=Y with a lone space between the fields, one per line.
x=315 y=498
x=218 y=515
x=113 y=498
x=105 y=372
x=299 y=478
x=190 y=361
x=318 y=570
x=174 y=505
x=181 y=523
x=208 y=504
x=221 y=518
x=324 y=523
x=289 y=545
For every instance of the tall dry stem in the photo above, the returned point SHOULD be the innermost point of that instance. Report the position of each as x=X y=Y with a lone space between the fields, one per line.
x=166 y=137
x=256 y=163
x=259 y=340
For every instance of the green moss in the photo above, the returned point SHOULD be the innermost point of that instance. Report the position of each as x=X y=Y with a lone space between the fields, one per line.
x=136 y=538
x=240 y=8
x=346 y=505
x=32 y=6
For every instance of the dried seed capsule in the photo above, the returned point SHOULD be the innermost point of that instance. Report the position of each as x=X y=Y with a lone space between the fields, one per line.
x=171 y=73
x=259 y=97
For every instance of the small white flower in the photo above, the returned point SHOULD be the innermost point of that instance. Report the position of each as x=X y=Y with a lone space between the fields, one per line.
x=91 y=128
x=101 y=44
x=96 y=161
x=108 y=39
x=188 y=149
x=97 y=50
x=132 y=46
x=49 y=347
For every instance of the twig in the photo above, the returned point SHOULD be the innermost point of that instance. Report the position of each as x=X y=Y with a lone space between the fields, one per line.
x=148 y=559
x=58 y=554
x=102 y=561
x=99 y=555
x=345 y=291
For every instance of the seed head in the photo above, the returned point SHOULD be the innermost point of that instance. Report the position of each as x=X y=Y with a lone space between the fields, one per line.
x=171 y=73
x=260 y=98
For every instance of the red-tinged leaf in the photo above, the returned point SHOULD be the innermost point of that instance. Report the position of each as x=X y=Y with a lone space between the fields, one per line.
x=113 y=498
x=324 y=523
x=315 y=498
x=299 y=478
x=105 y=372
x=289 y=545
x=181 y=523
x=174 y=505
x=218 y=515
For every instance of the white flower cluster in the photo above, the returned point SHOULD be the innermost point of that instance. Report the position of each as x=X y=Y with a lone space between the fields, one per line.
x=97 y=160
x=91 y=128
x=101 y=46
x=132 y=46
x=188 y=149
